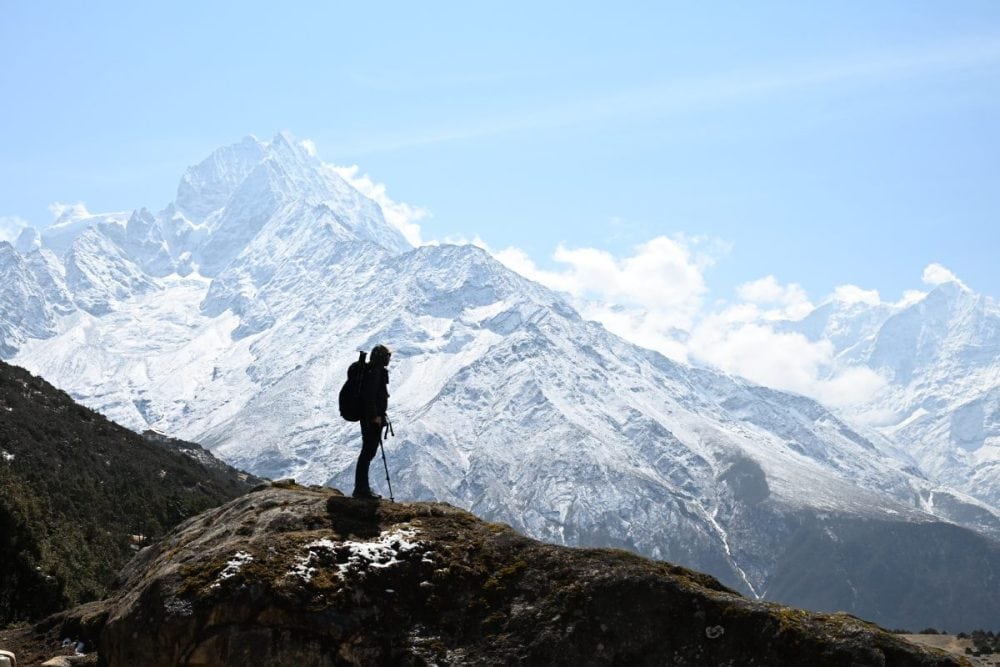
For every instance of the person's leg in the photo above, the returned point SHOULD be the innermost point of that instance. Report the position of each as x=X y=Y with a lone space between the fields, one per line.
x=370 y=434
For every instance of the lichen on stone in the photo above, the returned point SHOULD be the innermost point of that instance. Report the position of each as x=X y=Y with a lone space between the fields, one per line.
x=178 y=607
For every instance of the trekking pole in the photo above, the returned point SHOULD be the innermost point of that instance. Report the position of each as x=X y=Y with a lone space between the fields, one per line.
x=388 y=429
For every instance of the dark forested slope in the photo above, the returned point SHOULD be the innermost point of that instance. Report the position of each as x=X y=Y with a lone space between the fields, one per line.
x=79 y=493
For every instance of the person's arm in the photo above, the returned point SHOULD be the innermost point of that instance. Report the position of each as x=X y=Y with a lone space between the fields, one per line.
x=369 y=396
x=383 y=393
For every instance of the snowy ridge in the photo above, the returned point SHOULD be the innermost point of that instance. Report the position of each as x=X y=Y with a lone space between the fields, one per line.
x=941 y=358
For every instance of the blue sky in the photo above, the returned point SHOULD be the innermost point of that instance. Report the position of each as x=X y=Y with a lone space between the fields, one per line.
x=848 y=143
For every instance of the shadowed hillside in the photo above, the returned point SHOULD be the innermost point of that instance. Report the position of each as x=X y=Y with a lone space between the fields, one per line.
x=78 y=493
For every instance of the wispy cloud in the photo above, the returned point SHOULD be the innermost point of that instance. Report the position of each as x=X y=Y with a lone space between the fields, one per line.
x=936 y=274
x=75 y=211
x=855 y=294
x=395 y=81
x=774 y=301
x=10 y=227
x=649 y=297
x=402 y=216
x=695 y=94
x=309 y=145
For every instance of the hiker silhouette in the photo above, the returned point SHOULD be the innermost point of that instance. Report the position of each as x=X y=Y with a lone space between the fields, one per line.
x=374 y=404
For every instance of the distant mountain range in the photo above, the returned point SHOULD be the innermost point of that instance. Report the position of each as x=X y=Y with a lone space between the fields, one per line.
x=940 y=356
x=229 y=319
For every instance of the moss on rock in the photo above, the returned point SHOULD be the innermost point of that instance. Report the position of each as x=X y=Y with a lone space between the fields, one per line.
x=293 y=575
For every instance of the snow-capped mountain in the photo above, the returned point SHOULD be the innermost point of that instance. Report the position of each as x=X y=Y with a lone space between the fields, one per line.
x=229 y=319
x=940 y=356
x=71 y=222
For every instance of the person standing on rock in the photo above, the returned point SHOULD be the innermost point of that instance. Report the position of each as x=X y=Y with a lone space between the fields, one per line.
x=374 y=404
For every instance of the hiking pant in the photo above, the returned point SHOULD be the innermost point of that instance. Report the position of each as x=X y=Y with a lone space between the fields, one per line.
x=371 y=435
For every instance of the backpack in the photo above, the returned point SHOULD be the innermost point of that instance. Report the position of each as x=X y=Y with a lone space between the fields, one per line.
x=350 y=393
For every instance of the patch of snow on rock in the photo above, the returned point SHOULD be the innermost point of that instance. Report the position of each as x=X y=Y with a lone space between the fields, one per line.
x=381 y=553
x=357 y=556
x=233 y=566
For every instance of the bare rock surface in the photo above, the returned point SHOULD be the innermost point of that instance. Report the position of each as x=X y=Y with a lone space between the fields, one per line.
x=289 y=575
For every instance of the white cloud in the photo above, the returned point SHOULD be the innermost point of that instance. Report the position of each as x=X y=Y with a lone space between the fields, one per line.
x=649 y=297
x=518 y=261
x=658 y=287
x=788 y=302
x=849 y=386
x=76 y=211
x=309 y=146
x=781 y=360
x=10 y=227
x=741 y=312
x=654 y=298
x=755 y=351
x=763 y=290
x=400 y=215
x=662 y=276
x=935 y=274
x=854 y=294
x=743 y=339
x=910 y=297
x=644 y=327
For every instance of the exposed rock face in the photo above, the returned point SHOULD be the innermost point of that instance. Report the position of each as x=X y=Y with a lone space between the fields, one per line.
x=296 y=576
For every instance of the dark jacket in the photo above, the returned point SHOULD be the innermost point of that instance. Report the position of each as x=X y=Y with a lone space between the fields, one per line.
x=374 y=393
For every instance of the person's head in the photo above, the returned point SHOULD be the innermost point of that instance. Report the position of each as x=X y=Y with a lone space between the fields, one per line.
x=380 y=355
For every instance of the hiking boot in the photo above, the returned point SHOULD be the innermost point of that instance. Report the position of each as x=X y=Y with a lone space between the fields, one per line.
x=365 y=494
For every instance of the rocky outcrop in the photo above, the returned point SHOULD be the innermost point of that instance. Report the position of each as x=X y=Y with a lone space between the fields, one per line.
x=293 y=576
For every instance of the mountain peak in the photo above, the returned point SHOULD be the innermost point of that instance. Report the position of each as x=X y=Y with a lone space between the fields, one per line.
x=284 y=138
x=288 y=194
x=73 y=221
x=29 y=239
x=207 y=186
x=286 y=147
x=950 y=290
x=141 y=216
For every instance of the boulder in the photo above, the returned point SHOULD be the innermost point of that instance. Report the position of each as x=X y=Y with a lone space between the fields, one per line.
x=295 y=576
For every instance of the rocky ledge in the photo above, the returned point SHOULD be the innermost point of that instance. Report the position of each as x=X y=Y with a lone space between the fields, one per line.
x=293 y=576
